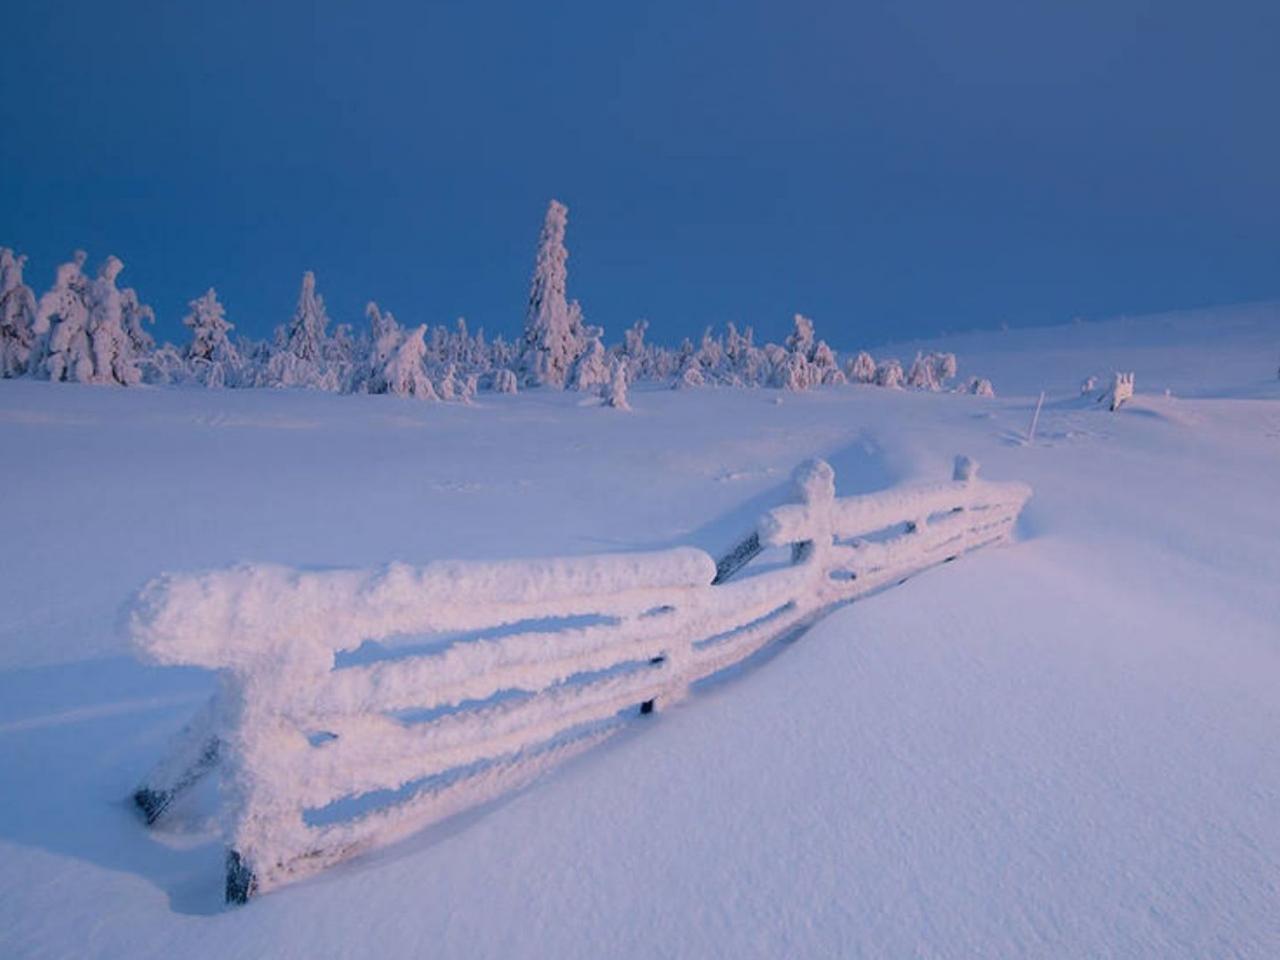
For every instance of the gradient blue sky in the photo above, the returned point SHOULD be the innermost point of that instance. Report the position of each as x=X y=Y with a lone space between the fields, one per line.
x=891 y=168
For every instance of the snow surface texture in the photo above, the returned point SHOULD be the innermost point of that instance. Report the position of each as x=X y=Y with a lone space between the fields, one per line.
x=297 y=736
x=1067 y=749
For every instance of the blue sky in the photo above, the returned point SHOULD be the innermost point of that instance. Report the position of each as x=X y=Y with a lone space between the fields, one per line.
x=891 y=169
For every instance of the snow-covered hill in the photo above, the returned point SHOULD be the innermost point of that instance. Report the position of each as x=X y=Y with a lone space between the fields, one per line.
x=1062 y=748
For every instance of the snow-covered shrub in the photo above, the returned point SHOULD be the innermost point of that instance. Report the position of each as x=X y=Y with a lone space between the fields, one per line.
x=134 y=314
x=1088 y=385
x=801 y=339
x=793 y=373
x=861 y=369
x=825 y=370
x=615 y=393
x=166 y=365
x=404 y=374
x=504 y=381
x=931 y=371
x=591 y=371
x=470 y=386
x=637 y=354
x=689 y=378
x=17 y=315
x=449 y=387
x=922 y=375
x=945 y=367
x=384 y=339
x=981 y=387
x=889 y=374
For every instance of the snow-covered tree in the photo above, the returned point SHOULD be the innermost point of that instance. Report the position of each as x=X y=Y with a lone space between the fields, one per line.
x=615 y=393
x=340 y=357
x=62 y=350
x=922 y=376
x=385 y=335
x=134 y=314
x=689 y=378
x=450 y=385
x=945 y=367
x=211 y=354
x=504 y=381
x=304 y=337
x=801 y=339
x=981 y=387
x=826 y=370
x=861 y=369
x=710 y=357
x=501 y=354
x=889 y=374
x=166 y=364
x=404 y=374
x=635 y=351
x=113 y=347
x=17 y=315
x=297 y=359
x=554 y=333
x=591 y=371
x=793 y=373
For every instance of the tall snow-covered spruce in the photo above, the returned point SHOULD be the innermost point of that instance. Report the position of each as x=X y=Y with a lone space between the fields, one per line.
x=114 y=338
x=298 y=358
x=61 y=349
x=17 y=315
x=554 y=333
x=212 y=357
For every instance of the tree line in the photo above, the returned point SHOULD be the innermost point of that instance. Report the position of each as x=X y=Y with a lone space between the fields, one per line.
x=88 y=330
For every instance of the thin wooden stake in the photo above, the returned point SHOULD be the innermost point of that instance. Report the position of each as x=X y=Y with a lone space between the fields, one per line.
x=1035 y=418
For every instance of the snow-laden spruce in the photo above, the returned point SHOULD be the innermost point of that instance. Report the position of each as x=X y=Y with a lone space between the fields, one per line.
x=615 y=392
x=17 y=315
x=312 y=713
x=554 y=333
x=90 y=331
x=212 y=357
x=299 y=359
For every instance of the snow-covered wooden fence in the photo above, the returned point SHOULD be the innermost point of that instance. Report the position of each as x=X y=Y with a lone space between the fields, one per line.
x=356 y=706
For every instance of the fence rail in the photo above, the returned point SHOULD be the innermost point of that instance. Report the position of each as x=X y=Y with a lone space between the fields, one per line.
x=357 y=706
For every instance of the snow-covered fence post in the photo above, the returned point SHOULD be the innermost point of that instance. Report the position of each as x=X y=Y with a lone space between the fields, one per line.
x=815 y=483
x=1121 y=390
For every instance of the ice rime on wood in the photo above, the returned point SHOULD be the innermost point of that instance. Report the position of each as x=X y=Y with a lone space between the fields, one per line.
x=1121 y=390
x=434 y=688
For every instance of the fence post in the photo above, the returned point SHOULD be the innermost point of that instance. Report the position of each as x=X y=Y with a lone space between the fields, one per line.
x=815 y=484
x=965 y=470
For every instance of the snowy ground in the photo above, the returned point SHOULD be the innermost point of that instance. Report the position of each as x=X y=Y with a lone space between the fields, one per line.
x=1063 y=748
